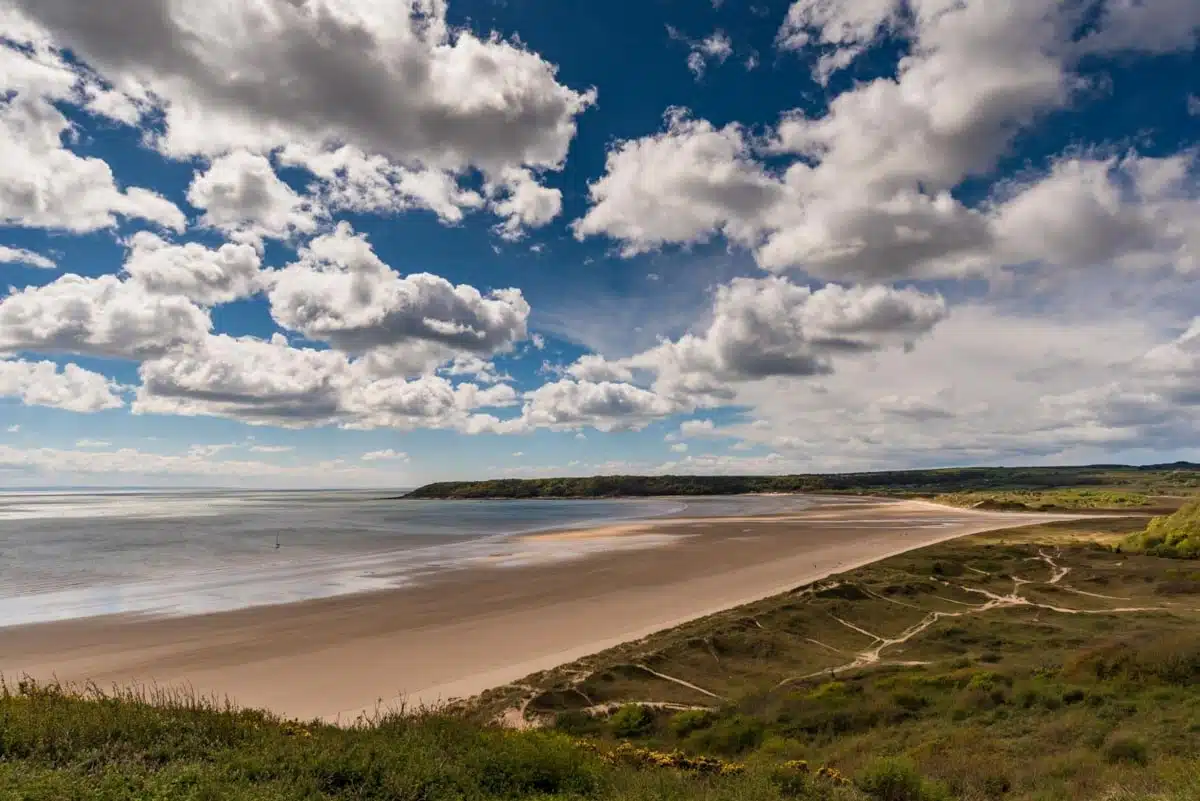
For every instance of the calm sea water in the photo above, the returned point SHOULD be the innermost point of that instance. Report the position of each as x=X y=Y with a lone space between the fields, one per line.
x=70 y=555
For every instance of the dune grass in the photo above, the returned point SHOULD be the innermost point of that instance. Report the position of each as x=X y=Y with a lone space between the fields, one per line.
x=60 y=744
x=1030 y=664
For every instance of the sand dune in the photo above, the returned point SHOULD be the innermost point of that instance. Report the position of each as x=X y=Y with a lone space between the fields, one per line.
x=471 y=629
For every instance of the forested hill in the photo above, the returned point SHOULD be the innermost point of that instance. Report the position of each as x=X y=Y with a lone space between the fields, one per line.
x=902 y=482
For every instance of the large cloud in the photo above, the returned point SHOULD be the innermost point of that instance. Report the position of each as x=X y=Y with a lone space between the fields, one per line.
x=248 y=379
x=604 y=405
x=683 y=185
x=389 y=77
x=46 y=384
x=867 y=195
x=989 y=385
x=342 y=293
x=98 y=316
x=771 y=327
x=45 y=185
x=203 y=275
x=1134 y=211
x=759 y=329
x=386 y=105
x=242 y=196
x=269 y=382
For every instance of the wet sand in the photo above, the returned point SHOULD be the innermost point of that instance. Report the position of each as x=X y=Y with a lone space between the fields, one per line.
x=467 y=630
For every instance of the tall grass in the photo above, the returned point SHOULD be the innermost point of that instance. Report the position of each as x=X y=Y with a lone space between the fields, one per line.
x=59 y=743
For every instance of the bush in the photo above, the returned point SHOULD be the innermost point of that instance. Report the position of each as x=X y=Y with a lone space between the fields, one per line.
x=1126 y=748
x=577 y=722
x=1174 y=536
x=909 y=701
x=631 y=720
x=896 y=779
x=684 y=723
x=730 y=736
x=1172 y=661
x=516 y=766
x=1073 y=696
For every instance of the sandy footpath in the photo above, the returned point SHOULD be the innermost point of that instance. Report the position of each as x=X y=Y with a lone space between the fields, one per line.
x=479 y=627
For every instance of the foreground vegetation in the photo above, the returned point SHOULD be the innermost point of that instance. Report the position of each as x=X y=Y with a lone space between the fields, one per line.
x=1028 y=664
x=1168 y=479
x=1031 y=664
x=59 y=745
x=1175 y=536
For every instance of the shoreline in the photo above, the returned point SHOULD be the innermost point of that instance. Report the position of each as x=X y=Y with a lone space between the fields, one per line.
x=480 y=627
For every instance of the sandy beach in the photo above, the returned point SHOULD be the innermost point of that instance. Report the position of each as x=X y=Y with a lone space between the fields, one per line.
x=467 y=630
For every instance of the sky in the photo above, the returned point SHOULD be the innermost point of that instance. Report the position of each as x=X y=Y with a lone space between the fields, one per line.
x=369 y=243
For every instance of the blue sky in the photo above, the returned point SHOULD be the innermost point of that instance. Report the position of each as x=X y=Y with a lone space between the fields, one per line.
x=336 y=243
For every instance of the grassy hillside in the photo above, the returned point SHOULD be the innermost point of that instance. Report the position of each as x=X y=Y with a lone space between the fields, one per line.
x=1175 y=535
x=1028 y=665
x=1182 y=477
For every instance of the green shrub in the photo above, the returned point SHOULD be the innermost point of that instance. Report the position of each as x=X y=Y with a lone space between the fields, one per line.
x=577 y=722
x=1073 y=696
x=684 y=723
x=729 y=736
x=631 y=720
x=909 y=701
x=1127 y=748
x=897 y=779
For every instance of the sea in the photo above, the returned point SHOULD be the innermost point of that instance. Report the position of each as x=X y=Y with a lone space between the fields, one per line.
x=68 y=555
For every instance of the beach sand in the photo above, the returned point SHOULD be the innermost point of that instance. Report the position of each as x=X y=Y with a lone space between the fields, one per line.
x=466 y=630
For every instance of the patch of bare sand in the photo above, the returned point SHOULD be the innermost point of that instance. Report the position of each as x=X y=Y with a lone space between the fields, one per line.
x=468 y=630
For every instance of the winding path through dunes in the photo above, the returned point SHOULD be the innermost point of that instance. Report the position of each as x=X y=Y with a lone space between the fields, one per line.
x=873 y=655
x=480 y=627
